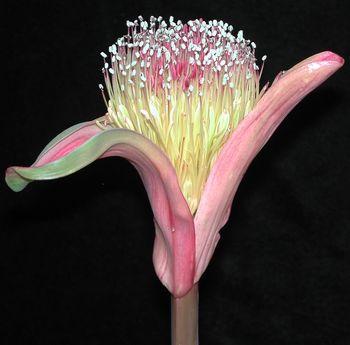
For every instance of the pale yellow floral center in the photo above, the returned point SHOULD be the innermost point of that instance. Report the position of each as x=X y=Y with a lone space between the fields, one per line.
x=185 y=87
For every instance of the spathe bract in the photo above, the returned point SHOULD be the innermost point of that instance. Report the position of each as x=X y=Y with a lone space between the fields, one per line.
x=190 y=119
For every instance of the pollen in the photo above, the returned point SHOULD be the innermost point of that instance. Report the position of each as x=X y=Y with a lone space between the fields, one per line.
x=185 y=87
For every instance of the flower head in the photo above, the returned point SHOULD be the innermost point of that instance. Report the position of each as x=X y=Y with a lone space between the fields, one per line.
x=184 y=107
x=185 y=87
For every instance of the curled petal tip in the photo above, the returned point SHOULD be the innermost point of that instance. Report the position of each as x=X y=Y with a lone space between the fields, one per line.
x=13 y=180
x=332 y=57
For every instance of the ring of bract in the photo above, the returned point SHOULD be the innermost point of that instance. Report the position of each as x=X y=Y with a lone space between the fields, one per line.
x=185 y=87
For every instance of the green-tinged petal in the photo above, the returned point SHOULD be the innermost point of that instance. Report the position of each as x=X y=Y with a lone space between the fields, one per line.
x=174 y=250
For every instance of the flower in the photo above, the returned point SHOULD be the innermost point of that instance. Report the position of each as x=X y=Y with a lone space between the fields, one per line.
x=184 y=107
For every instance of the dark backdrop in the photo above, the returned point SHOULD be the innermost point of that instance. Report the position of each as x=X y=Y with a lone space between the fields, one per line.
x=75 y=253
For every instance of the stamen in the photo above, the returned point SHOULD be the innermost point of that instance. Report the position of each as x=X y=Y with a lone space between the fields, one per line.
x=186 y=87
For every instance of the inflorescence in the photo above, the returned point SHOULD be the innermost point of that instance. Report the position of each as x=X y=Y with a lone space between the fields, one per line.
x=186 y=87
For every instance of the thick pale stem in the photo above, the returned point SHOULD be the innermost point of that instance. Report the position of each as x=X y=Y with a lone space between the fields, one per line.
x=184 y=318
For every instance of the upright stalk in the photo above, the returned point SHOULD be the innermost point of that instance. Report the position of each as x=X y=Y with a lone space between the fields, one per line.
x=184 y=318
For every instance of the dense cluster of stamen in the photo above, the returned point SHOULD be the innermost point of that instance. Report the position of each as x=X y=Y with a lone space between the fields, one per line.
x=183 y=86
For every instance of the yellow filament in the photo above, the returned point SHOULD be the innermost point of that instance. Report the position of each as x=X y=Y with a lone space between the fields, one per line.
x=189 y=126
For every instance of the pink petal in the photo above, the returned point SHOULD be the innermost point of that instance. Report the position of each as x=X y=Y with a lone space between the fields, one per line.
x=63 y=144
x=246 y=141
x=174 y=255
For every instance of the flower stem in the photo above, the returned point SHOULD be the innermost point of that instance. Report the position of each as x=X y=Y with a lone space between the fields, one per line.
x=184 y=318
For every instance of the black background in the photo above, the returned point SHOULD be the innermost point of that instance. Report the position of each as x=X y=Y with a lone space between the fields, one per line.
x=75 y=253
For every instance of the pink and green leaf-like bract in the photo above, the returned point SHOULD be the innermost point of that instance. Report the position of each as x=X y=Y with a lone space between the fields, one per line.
x=184 y=106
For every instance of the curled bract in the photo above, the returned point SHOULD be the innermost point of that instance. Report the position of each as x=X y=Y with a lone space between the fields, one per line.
x=78 y=146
